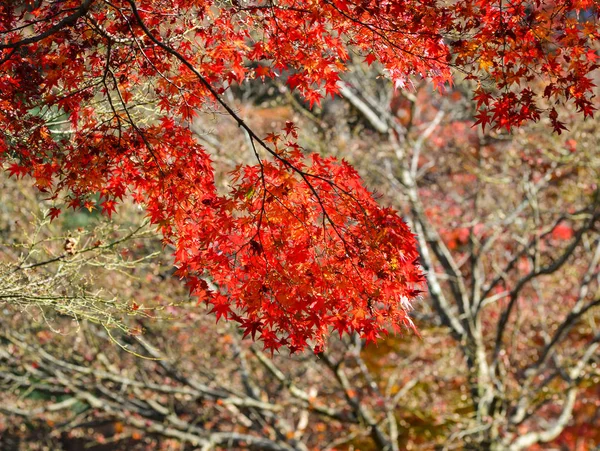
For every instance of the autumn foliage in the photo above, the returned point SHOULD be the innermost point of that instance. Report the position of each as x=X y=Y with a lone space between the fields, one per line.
x=96 y=98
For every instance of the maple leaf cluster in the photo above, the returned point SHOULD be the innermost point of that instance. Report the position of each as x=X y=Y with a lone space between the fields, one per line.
x=301 y=252
x=96 y=97
x=528 y=57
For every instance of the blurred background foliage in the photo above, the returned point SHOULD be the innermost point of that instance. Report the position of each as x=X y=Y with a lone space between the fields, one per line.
x=101 y=348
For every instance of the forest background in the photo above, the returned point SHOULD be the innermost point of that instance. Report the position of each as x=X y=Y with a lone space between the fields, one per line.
x=102 y=347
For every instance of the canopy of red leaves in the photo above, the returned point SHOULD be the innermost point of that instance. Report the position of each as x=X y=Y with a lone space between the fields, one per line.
x=298 y=245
